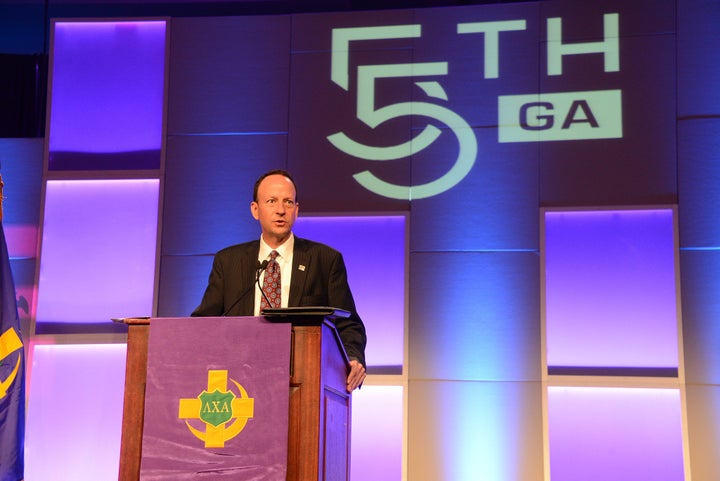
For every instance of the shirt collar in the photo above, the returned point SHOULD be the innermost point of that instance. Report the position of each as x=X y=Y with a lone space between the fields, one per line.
x=284 y=250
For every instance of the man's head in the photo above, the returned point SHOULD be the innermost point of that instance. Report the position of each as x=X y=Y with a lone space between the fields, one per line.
x=275 y=206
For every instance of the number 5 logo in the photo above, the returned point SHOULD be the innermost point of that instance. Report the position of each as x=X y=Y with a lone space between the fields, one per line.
x=367 y=113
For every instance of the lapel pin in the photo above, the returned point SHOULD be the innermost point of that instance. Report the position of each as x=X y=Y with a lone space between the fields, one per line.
x=301 y=267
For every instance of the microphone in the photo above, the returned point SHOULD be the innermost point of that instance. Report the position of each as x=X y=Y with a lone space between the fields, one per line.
x=258 y=270
x=257 y=280
x=261 y=267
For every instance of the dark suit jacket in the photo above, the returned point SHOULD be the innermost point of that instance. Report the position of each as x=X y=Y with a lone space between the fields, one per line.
x=319 y=278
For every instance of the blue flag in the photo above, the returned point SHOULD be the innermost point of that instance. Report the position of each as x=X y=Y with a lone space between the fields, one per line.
x=12 y=375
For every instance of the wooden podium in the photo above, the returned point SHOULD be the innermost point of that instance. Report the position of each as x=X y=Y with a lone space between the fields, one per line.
x=319 y=405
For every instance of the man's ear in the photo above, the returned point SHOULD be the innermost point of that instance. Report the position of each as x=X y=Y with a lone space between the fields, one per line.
x=254 y=210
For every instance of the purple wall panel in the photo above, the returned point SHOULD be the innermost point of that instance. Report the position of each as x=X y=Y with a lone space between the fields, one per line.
x=377 y=409
x=75 y=412
x=376 y=277
x=107 y=95
x=623 y=434
x=611 y=289
x=98 y=253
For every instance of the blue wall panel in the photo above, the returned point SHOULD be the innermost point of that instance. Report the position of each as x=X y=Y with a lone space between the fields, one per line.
x=474 y=316
x=182 y=283
x=699 y=183
x=698 y=58
x=21 y=169
x=469 y=431
x=494 y=208
x=701 y=311
x=640 y=167
x=209 y=186
x=232 y=75
x=23 y=27
x=471 y=88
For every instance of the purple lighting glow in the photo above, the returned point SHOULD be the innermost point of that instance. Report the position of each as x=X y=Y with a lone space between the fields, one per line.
x=98 y=251
x=618 y=434
x=376 y=276
x=611 y=289
x=75 y=412
x=107 y=87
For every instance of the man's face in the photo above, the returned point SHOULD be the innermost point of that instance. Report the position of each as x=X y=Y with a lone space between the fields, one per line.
x=275 y=209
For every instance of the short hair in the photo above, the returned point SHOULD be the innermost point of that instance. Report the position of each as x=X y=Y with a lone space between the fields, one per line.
x=282 y=172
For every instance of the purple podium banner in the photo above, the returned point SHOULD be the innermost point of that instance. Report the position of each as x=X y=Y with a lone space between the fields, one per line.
x=216 y=404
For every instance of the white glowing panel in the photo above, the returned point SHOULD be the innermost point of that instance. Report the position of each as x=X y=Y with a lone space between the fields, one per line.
x=377 y=433
x=74 y=416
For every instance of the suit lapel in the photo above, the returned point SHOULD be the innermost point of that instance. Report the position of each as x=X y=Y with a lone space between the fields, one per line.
x=249 y=263
x=301 y=264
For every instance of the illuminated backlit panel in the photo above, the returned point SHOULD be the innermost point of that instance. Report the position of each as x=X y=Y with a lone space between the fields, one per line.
x=610 y=292
x=622 y=434
x=470 y=431
x=377 y=433
x=106 y=103
x=374 y=253
x=98 y=254
x=75 y=412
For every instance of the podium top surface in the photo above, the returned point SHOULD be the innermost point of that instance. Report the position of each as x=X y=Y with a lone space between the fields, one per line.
x=331 y=312
x=295 y=315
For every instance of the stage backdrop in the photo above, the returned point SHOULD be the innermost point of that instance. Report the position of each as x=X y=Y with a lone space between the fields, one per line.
x=459 y=127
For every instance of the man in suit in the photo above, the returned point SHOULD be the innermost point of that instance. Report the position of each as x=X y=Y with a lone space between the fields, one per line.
x=311 y=274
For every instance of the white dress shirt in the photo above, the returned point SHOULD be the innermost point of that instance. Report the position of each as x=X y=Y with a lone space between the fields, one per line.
x=284 y=260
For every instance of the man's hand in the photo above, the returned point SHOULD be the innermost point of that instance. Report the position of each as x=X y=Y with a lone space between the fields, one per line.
x=356 y=376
